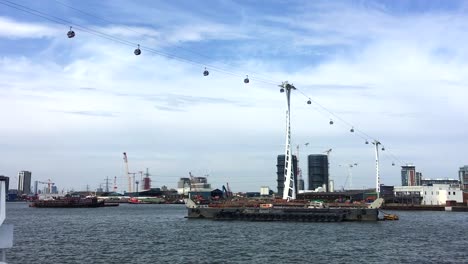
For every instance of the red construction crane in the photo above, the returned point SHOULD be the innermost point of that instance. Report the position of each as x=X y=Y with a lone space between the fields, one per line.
x=49 y=185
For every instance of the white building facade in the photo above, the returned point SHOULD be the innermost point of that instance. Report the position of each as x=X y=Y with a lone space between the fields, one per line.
x=437 y=194
x=6 y=231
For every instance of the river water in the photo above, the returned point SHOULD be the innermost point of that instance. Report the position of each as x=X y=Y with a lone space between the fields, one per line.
x=160 y=234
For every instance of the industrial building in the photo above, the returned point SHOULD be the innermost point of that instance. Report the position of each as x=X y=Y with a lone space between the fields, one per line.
x=437 y=194
x=264 y=191
x=409 y=176
x=331 y=197
x=280 y=172
x=318 y=171
x=200 y=184
x=426 y=182
x=24 y=182
x=463 y=175
x=193 y=184
x=183 y=186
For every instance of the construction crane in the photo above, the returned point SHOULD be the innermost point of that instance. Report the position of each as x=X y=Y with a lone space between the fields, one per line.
x=132 y=179
x=300 y=182
x=147 y=181
x=192 y=181
x=49 y=185
x=331 y=184
x=127 y=174
x=328 y=152
x=115 y=183
x=228 y=189
x=141 y=175
x=350 y=175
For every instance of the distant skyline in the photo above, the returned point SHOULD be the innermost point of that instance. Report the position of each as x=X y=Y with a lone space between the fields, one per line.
x=69 y=108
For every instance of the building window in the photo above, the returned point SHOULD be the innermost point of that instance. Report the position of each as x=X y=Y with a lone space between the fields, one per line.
x=425 y=192
x=437 y=192
x=453 y=193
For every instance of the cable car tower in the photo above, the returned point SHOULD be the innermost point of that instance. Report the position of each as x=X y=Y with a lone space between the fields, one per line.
x=377 y=171
x=289 y=192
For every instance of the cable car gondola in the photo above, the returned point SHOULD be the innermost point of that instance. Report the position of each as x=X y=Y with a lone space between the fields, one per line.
x=331 y=122
x=71 y=33
x=309 y=102
x=367 y=142
x=246 y=80
x=206 y=72
x=137 y=50
x=282 y=90
x=351 y=130
x=383 y=149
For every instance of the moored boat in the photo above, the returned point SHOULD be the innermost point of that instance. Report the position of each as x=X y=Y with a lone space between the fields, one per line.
x=69 y=201
x=278 y=210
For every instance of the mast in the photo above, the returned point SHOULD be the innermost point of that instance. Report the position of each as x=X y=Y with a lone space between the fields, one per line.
x=289 y=192
x=377 y=172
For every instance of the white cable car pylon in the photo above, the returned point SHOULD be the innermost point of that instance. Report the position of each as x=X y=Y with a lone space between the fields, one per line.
x=377 y=172
x=289 y=192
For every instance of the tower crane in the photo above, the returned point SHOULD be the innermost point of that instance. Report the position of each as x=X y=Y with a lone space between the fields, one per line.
x=300 y=182
x=330 y=181
x=115 y=183
x=132 y=179
x=328 y=151
x=192 y=181
x=49 y=185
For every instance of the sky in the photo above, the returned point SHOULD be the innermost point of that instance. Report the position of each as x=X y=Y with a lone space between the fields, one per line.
x=396 y=71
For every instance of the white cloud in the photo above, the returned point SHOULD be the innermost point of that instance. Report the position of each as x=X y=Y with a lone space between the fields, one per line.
x=12 y=29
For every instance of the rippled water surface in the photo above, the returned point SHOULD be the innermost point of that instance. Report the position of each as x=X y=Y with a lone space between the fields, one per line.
x=161 y=234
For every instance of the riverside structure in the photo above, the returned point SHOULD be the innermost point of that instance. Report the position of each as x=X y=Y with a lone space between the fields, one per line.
x=6 y=231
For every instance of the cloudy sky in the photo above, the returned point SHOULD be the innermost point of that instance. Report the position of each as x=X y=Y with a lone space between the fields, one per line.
x=395 y=70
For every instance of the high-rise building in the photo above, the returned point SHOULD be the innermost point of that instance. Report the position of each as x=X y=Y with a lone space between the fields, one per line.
x=280 y=173
x=409 y=176
x=24 y=182
x=318 y=171
x=300 y=185
x=419 y=178
x=463 y=174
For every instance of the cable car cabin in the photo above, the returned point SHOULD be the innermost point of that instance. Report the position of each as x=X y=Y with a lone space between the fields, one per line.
x=71 y=33
x=206 y=72
x=137 y=51
x=246 y=80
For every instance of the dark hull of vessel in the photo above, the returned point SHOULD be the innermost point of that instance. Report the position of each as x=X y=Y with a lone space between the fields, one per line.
x=286 y=214
x=68 y=203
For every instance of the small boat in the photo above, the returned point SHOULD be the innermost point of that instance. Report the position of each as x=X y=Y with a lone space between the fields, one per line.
x=391 y=217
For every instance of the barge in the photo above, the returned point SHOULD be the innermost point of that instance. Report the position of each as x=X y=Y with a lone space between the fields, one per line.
x=299 y=211
x=70 y=202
